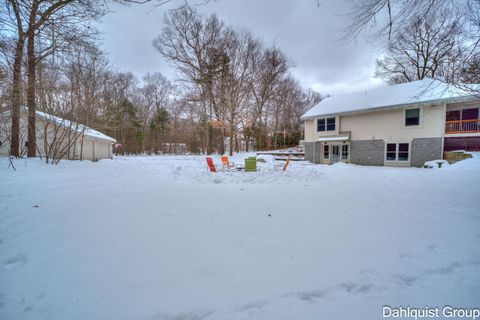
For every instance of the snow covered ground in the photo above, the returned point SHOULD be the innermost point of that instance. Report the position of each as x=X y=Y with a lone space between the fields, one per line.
x=162 y=238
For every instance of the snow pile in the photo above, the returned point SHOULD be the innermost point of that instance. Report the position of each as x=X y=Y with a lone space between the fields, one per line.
x=162 y=238
x=436 y=164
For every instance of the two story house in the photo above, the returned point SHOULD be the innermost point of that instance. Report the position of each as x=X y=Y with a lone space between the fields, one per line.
x=399 y=125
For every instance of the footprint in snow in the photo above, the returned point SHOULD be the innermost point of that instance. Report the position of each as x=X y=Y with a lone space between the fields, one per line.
x=310 y=296
x=192 y=315
x=352 y=287
x=407 y=280
x=452 y=267
x=349 y=286
x=14 y=263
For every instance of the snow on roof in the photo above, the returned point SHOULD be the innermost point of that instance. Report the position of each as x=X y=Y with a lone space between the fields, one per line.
x=87 y=131
x=335 y=138
x=422 y=91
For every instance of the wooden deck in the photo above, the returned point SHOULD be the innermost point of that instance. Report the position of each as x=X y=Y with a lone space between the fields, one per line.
x=283 y=155
x=463 y=126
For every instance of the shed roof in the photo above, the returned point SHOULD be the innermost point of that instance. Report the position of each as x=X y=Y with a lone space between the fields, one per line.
x=422 y=91
x=87 y=131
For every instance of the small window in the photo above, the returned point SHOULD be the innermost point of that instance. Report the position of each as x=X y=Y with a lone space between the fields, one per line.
x=391 y=151
x=345 y=152
x=397 y=151
x=320 y=124
x=326 y=152
x=412 y=117
x=330 y=124
x=403 y=152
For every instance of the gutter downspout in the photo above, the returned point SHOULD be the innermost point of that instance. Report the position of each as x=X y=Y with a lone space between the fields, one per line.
x=444 y=121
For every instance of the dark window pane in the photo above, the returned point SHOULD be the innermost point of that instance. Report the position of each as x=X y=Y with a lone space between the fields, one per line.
x=403 y=147
x=453 y=115
x=391 y=147
x=412 y=121
x=321 y=125
x=412 y=117
x=412 y=113
x=330 y=124
x=391 y=156
x=470 y=114
x=403 y=156
x=345 y=152
x=326 y=155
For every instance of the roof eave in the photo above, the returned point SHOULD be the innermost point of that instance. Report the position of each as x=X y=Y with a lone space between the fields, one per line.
x=433 y=101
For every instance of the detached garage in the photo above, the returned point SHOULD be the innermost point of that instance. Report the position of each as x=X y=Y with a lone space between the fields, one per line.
x=57 y=138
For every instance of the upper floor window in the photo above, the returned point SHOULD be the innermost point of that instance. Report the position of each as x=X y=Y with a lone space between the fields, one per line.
x=326 y=124
x=330 y=124
x=412 y=117
x=321 y=125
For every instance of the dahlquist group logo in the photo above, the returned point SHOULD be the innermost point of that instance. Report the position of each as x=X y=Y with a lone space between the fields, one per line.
x=446 y=312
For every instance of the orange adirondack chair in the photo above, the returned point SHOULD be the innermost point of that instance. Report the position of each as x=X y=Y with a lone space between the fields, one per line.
x=226 y=163
x=211 y=166
x=286 y=164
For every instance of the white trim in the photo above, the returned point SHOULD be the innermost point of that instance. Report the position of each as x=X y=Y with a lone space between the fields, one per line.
x=348 y=152
x=326 y=124
x=444 y=124
x=323 y=152
x=420 y=117
x=341 y=138
x=396 y=161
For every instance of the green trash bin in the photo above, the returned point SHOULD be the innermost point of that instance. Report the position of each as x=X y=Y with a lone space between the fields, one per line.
x=251 y=164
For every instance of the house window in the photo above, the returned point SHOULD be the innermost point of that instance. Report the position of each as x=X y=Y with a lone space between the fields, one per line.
x=330 y=124
x=403 y=152
x=397 y=151
x=345 y=152
x=326 y=152
x=320 y=124
x=453 y=115
x=470 y=114
x=326 y=124
x=412 y=117
x=391 y=152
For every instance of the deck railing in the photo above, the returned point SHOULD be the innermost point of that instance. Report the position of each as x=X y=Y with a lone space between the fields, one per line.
x=462 y=126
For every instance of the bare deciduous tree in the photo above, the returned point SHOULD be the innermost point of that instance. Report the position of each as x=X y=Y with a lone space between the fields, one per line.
x=430 y=46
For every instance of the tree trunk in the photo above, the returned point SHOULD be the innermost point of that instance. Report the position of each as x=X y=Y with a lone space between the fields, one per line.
x=231 y=141
x=222 y=142
x=16 y=96
x=31 y=85
x=17 y=84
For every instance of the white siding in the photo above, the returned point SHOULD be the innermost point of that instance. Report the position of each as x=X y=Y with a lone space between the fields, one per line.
x=92 y=149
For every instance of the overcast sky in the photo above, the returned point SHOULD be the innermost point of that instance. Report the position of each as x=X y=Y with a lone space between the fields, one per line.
x=309 y=34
